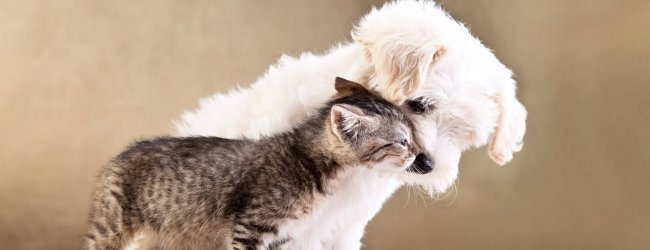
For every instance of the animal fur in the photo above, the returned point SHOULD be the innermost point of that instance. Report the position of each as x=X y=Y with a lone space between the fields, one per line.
x=215 y=193
x=412 y=53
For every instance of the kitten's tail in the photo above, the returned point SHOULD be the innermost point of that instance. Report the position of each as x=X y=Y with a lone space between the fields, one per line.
x=107 y=230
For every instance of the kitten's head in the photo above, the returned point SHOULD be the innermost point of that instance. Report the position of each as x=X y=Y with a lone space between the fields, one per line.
x=368 y=130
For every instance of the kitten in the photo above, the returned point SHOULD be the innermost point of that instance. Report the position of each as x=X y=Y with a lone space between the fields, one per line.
x=210 y=192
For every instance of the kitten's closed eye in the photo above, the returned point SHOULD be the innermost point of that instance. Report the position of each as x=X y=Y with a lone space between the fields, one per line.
x=403 y=143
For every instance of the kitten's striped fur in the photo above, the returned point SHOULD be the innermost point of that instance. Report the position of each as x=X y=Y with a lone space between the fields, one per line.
x=215 y=193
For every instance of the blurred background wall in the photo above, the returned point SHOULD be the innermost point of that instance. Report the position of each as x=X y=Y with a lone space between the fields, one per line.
x=79 y=80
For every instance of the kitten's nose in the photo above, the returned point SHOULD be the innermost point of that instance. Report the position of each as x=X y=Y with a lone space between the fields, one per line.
x=422 y=164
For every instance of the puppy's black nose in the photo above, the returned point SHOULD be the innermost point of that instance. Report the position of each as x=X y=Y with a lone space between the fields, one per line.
x=422 y=164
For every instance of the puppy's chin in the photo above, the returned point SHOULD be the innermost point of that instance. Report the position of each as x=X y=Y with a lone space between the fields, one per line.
x=443 y=175
x=435 y=182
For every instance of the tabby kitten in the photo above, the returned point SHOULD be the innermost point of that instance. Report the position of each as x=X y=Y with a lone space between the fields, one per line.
x=210 y=192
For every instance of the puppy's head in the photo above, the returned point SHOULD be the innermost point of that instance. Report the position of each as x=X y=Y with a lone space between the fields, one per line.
x=456 y=92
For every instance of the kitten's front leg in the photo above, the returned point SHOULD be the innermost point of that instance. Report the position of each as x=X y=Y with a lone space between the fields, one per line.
x=247 y=234
x=243 y=239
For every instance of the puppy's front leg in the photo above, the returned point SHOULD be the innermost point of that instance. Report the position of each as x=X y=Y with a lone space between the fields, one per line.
x=350 y=238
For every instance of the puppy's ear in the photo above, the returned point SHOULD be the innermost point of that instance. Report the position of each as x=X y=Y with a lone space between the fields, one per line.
x=507 y=137
x=400 y=67
x=348 y=122
x=346 y=88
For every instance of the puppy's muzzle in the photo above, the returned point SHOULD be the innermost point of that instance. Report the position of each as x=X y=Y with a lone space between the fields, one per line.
x=422 y=164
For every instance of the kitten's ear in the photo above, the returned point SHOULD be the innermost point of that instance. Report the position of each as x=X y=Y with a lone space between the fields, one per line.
x=348 y=122
x=346 y=87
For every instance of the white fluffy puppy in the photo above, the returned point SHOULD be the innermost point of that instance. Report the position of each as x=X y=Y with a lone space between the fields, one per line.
x=413 y=53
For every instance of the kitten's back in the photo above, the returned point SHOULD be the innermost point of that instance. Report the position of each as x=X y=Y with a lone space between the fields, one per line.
x=163 y=183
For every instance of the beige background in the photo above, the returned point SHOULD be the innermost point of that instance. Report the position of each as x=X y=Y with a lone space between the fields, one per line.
x=80 y=79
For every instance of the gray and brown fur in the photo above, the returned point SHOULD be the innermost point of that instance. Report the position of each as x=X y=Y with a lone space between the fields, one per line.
x=209 y=192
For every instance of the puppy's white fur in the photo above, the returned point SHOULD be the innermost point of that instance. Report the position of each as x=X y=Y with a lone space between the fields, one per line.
x=404 y=50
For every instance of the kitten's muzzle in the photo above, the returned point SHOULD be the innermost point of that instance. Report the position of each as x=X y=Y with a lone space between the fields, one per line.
x=423 y=164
